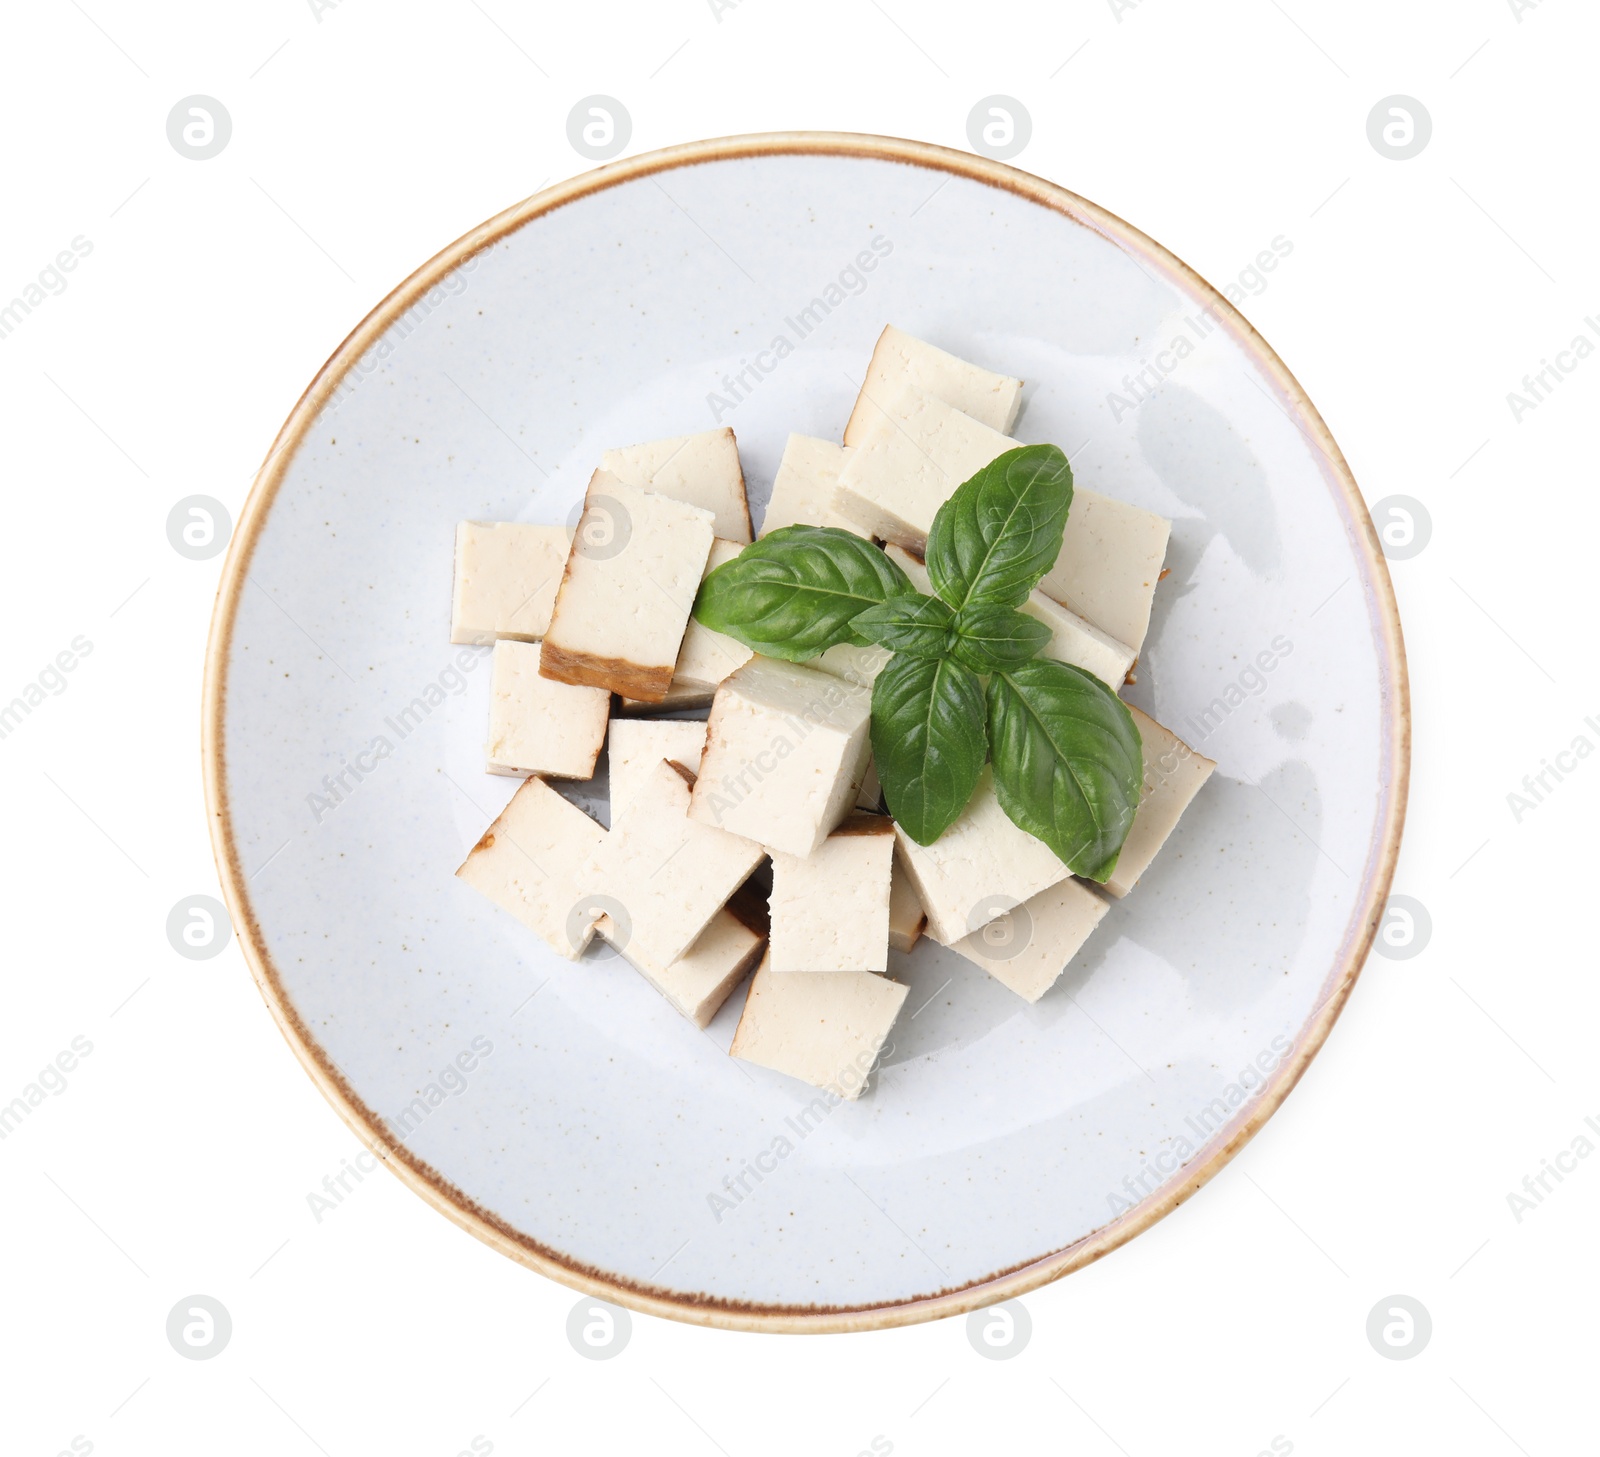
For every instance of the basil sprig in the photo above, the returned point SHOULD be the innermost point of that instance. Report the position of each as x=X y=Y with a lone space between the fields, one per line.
x=1068 y=761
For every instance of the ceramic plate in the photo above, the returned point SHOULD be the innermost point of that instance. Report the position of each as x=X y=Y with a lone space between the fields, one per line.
x=568 y=1115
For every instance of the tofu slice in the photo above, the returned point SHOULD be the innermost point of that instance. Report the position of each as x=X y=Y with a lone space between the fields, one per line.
x=700 y=980
x=1109 y=565
x=824 y=1027
x=538 y=726
x=701 y=469
x=802 y=492
x=525 y=864
x=669 y=874
x=506 y=577
x=908 y=461
x=899 y=360
x=906 y=916
x=830 y=909
x=978 y=869
x=786 y=752
x=1028 y=947
x=1072 y=640
x=639 y=744
x=708 y=656
x=1173 y=774
x=627 y=590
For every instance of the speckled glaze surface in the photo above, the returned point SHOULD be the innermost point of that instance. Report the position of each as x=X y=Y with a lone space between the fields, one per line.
x=565 y=1113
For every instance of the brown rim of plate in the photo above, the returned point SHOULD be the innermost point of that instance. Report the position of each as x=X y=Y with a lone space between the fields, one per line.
x=1001 y=1284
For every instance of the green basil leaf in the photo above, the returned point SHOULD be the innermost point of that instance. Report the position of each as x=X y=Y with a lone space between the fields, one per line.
x=989 y=638
x=1001 y=531
x=1068 y=762
x=917 y=625
x=792 y=594
x=928 y=742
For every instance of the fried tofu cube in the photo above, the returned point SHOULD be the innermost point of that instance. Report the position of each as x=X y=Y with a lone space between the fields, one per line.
x=627 y=590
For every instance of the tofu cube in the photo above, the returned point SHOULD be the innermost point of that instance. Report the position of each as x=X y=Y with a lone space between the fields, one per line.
x=536 y=725
x=701 y=469
x=899 y=360
x=786 y=751
x=506 y=577
x=627 y=591
x=700 y=980
x=906 y=916
x=639 y=744
x=525 y=864
x=1173 y=774
x=824 y=1027
x=909 y=461
x=668 y=874
x=1109 y=565
x=830 y=909
x=708 y=656
x=860 y=666
x=977 y=869
x=1029 y=946
x=1072 y=640
x=802 y=492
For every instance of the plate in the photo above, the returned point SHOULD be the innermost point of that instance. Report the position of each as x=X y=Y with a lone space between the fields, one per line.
x=565 y=1113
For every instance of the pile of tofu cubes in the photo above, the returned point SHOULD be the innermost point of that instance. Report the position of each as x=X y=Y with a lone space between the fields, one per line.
x=592 y=631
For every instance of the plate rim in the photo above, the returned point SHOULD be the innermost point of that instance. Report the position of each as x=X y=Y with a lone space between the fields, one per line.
x=718 y=1311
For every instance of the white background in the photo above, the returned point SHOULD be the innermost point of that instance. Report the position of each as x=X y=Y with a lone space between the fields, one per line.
x=179 y=1156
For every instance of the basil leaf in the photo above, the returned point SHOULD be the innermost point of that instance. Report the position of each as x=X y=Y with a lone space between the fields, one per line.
x=792 y=594
x=1068 y=762
x=916 y=625
x=1001 y=531
x=928 y=742
x=989 y=638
